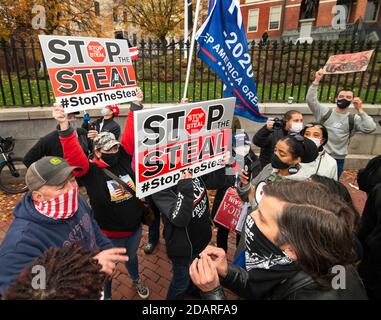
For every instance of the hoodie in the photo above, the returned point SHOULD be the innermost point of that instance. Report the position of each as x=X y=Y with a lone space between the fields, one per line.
x=31 y=234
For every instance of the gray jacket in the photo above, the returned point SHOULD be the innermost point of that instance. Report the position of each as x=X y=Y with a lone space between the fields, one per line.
x=338 y=125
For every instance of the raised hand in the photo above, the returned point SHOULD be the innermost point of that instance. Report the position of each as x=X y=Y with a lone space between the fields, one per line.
x=318 y=76
x=60 y=116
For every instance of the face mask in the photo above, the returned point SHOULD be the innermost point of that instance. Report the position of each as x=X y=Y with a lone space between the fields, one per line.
x=104 y=111
x=261 y=253
x=343 y=103
x=62 y=207
x=276 y=163
x=111 y=158
x=242 y=150
x=317 y=141
x=296 y=127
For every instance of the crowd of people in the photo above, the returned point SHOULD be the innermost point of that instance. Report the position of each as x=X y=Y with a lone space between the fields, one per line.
x=300 y=224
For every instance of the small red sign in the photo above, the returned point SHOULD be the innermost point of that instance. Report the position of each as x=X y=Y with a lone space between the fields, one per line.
x=96 y=51
x=195 y=121
x=229 y=210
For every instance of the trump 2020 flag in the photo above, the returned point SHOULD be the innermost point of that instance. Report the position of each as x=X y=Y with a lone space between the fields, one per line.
x=223 y=47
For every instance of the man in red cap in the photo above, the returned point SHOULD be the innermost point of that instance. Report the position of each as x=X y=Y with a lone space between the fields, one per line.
x=104 y=124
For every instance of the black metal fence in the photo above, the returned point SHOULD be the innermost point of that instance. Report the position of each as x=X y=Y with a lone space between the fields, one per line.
x=281 y=70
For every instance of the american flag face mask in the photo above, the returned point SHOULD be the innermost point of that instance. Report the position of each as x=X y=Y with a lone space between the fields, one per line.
x=62 y=207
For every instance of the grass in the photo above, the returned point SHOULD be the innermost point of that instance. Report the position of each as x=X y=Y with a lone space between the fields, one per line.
x=161 y=92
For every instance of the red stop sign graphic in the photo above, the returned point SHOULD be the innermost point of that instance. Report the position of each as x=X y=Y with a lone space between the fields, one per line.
x=195 y=120
x=96 y=51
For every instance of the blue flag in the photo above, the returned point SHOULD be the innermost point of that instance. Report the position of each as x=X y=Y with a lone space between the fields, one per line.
x=223 y=47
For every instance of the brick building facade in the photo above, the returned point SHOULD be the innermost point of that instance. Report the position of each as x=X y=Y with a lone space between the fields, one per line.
x=281 y=18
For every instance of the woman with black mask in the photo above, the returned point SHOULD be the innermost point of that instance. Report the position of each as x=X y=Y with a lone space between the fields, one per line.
x=289 y=152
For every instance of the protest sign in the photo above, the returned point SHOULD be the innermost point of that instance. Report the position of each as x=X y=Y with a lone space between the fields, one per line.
x=230 y=209
x=169 y=140
x=88 y=73
x=348 y=63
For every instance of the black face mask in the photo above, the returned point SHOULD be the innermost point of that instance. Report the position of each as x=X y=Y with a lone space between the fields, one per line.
x=276 y=163
x=343 y=103
x=111 y=158
x=267 y=264
x=261 y=253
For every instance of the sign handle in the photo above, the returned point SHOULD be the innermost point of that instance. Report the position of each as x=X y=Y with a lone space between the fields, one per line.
x=191 y=49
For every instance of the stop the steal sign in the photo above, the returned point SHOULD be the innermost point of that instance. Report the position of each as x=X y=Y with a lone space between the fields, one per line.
x=171 y=140
x=88 y=73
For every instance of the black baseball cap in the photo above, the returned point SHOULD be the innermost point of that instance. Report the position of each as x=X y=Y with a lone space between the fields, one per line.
x=51 y=171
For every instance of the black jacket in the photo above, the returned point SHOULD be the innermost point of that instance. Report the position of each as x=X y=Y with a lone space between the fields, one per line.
x=266 y=139
x=299 y=287
x=114 y=210
x=370 y=238
x=110 y=125
x=186 y=215
x=50 y=145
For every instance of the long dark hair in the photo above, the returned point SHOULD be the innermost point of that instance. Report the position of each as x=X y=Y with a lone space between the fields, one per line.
x=71 y=274
x=336 y=188
x=315 y=224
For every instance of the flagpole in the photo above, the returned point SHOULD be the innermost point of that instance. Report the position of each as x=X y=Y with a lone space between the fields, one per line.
x=185 y=27
x=191 y=49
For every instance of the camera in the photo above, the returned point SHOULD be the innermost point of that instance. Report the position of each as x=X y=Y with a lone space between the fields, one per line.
x=278 y=124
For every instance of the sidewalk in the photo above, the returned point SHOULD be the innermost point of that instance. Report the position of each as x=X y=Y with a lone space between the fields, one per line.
x=155 y=269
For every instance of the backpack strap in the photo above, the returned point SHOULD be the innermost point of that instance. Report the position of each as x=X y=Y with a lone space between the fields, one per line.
x=351 y=120
x=326 y=116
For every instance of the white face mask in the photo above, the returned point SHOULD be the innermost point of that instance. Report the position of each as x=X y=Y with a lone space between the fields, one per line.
x=242 y=150
x=317 y=141
x=296 y=127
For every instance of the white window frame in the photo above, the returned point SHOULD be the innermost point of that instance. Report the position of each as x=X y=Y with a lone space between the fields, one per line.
x=280 y=18
x=256 y=23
